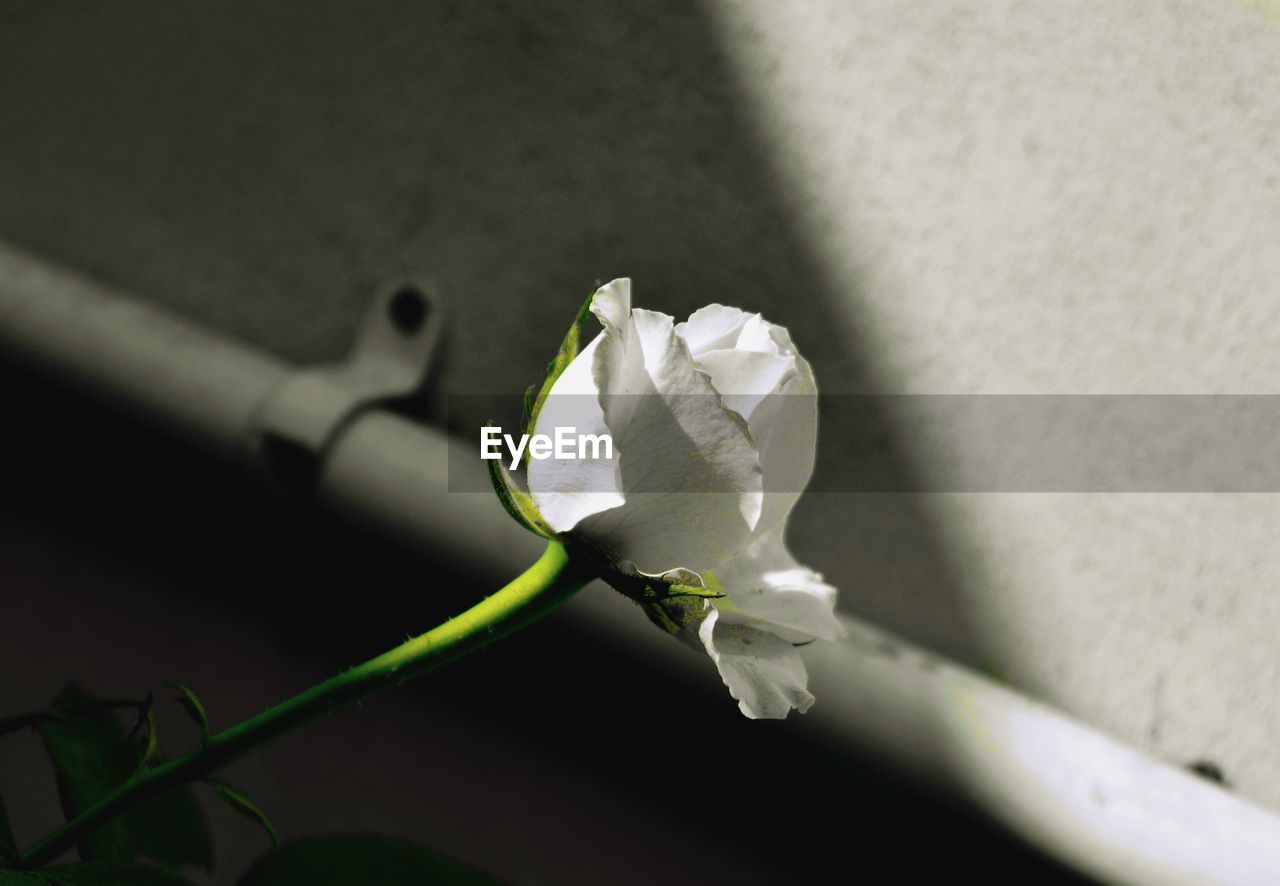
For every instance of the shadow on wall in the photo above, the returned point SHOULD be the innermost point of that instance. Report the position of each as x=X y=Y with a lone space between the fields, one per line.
x=261 y=167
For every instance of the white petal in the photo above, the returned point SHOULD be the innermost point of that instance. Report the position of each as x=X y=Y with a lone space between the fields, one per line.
x=744 y=378
x=566 y=491
x=784 y=427
x=767 y=589
x=715 y=327
x=690 y=473
x=755 y=366
x=612 y=304
x=719 y=328
x=777 y=397
x=755 y=336
x=765 y=674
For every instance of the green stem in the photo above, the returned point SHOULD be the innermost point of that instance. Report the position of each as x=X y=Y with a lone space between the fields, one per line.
x=551 y=580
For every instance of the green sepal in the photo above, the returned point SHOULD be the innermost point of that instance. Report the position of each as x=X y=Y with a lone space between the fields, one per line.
x=648 y=589
x=195 y=710
x=659 y=596
x=518 y=503
x=659 y=616
x=664 y=591
x=528 y=415
x=242 y=804
x=568 y=350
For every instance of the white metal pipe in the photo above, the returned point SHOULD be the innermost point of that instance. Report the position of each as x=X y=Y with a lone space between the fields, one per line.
x=1093 y=803
x=190 y=381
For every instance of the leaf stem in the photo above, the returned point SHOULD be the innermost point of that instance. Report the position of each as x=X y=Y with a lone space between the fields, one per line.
x=551 y=580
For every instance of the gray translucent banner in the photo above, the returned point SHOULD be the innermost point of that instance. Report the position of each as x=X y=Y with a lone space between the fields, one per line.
x=979 y=443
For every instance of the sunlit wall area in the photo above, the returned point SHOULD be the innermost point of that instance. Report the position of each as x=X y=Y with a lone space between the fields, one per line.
x=1052 y=199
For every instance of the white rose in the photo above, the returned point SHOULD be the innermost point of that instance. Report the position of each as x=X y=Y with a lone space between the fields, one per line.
x=714 y=426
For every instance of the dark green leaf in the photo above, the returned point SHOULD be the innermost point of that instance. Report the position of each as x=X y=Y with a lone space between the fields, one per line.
x=356 y=861
x=518 y=503
x=92 y=755
x=246 y=807
x=195 y=710
x=109 y=873
x=21 y=878
x=568 y=350
x=8 y=849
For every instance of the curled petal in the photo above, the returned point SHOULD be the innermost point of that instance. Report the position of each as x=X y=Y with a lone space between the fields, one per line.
x=768 y=590
x=690 y=474
x=765 y=674
x=718 y=328
x=757 y=370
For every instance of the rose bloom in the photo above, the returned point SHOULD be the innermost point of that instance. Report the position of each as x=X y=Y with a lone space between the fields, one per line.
x=714 y=423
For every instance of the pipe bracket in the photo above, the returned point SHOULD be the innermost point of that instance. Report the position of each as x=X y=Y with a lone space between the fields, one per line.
x=391 y=360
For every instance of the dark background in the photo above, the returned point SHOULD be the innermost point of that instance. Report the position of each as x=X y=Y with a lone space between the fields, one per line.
x=261 y=168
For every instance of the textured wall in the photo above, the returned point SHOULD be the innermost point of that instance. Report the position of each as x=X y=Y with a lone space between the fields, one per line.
x=1061 y=198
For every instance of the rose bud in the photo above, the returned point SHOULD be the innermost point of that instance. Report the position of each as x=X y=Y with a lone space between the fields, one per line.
x=713 y=424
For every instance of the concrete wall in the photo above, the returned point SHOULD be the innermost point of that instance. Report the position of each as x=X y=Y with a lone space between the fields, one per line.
x=981 y=197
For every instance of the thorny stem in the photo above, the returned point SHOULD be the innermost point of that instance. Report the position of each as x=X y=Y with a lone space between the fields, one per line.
x=551 y=580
